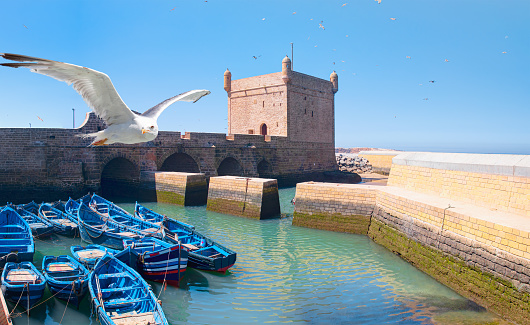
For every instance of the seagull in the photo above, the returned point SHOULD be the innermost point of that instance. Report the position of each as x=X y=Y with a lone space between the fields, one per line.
x=124 y=125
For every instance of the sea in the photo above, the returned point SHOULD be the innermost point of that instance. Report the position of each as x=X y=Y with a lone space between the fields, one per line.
x=283 y=274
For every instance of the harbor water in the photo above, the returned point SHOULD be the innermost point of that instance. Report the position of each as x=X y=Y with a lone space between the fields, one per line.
x=283 y=274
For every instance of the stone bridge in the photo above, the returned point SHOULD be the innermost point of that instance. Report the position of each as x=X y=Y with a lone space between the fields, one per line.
x=49 y=164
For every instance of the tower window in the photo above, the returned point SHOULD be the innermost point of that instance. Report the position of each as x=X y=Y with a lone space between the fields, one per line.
x=311 y=113
x=263 y=103
x=305 y=110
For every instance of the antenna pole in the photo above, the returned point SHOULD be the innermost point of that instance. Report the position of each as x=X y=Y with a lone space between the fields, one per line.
x=292 y=58
x=73 y=118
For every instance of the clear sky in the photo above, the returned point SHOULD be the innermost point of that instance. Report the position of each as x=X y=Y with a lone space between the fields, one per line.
x=476 y=51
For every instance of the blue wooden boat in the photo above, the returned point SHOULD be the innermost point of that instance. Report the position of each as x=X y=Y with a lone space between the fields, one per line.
x=66 y=278
x=16 y=241
x=107 y=209
x=40 y=227
x=90 y=254
x=204 y=253
x=95 y=230
x=157 y=260
x=23 y=284
x=170 y=224
x=121 y=296
x=64 y=223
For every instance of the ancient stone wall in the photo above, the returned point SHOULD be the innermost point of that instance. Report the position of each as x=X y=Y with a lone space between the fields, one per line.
x=51 y=164
x=500 y=182
x=174 y=187
x=381 y=161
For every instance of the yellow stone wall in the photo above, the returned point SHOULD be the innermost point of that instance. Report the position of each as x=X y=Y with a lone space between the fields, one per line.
x=507 y=238
x=381 y=161
x=504 y=193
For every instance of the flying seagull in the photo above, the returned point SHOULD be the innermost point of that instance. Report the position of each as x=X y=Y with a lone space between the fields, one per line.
x=124 y=125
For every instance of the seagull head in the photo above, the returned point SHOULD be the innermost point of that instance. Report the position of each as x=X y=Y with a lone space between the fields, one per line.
x=148 y=128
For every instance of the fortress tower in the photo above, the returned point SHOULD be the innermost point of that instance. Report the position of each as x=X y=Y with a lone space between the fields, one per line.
x=287 y=103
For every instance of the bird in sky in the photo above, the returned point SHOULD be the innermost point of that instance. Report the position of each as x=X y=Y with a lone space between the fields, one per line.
x=392 y=18
x=408 y=57
x=426 y=99
x=294 y=13
x=124 y=125
x=26 y=27
x=446 y=60
x=173 y=9
x=344 y=4
x=40 y=118
x=256 y=57
x=504 y=52
x=378 y=1
x=432 y=81
x=321 y=26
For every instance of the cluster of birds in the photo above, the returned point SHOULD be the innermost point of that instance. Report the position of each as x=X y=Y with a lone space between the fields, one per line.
x=124 y=125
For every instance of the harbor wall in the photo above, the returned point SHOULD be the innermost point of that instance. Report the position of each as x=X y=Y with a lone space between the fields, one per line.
x=381 y=161
x=255 y=198
x=473 y=242
x=46 y=164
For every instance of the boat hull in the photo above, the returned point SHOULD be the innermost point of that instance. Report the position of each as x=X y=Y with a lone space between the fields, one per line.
x=70 y=285
x=24 y=294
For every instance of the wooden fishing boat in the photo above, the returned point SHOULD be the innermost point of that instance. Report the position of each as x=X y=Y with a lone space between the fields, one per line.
x=121 y=296
x=204 y=253
x=40 y=227
x=107 y=209
x=157 y=260
x=90 y=254
x=66 y=278
x=5 y=317
x=16 y=241
x=95 y=230
x=170 y=224
x=64 y=223
x=23 y=284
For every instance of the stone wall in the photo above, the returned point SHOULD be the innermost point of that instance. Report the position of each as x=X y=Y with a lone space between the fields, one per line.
x=50 y=164
x=335 y=207
x=500 y=182
x=381 y=161
x=256 y=198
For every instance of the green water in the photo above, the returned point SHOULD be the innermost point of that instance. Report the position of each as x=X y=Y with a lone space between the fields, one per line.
x=285 y=274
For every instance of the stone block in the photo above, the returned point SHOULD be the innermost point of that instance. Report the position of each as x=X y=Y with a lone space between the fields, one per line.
x=256 y=198
x=188 y=189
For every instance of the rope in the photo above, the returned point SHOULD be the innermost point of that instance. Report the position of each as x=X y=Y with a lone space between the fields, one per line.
x=21 y=293
x=164 y=285
x=70 y=296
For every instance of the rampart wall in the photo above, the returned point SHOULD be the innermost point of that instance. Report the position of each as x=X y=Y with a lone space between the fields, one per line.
x=450 y=223
x=381 y=161
x=44 y=164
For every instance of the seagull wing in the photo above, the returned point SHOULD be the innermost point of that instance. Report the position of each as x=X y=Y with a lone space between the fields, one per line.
x=95 y=87
x=189 y=96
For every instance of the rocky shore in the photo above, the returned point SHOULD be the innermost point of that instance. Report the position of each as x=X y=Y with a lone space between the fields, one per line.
x=352 y=163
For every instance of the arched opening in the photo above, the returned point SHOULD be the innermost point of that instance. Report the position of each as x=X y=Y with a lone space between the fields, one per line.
x=120 y=179
x=263 y=129
x=230 y=166
x=264 y=169
x=180 y=162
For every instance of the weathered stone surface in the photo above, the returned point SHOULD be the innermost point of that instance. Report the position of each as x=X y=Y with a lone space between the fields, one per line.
x=242 y=196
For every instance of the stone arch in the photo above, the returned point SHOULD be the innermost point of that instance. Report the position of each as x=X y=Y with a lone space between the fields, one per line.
x=230 y=166
x=180 y=162
x=263 y=129
x=120 y=177
x=264 y=169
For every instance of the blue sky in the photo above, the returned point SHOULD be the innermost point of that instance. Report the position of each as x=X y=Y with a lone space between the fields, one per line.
x=152 y=50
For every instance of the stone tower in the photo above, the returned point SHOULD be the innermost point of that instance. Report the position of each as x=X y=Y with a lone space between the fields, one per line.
x=286 y=103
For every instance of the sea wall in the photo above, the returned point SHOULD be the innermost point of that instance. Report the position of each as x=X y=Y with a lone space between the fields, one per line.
x=256 y=198
x=381 y=161
x=481 y=251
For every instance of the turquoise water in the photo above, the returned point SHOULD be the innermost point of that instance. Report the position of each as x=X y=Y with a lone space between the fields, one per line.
x=285 y=274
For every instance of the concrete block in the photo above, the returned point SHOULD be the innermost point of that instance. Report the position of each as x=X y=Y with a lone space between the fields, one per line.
x=188 y=189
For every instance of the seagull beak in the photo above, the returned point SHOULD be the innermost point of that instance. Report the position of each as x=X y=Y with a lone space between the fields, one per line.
x=144 y=131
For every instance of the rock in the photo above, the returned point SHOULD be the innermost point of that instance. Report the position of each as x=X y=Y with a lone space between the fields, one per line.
x=353 y=164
